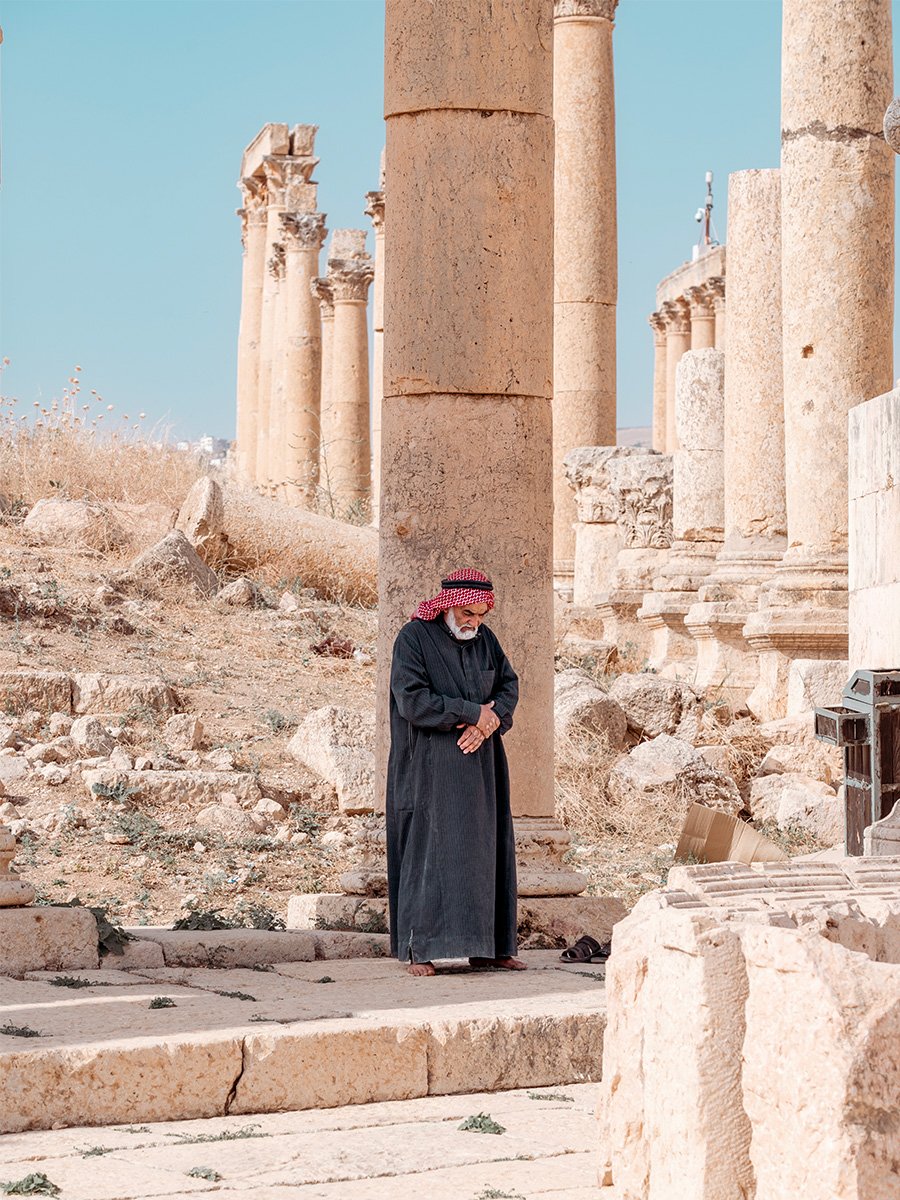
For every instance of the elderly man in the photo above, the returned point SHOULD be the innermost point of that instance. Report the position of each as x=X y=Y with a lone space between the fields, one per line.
x=451 y=853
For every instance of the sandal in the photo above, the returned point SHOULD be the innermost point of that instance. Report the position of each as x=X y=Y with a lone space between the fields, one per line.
x=586 y=950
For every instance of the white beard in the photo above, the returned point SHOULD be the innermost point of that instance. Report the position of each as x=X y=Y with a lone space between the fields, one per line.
x=462 y=635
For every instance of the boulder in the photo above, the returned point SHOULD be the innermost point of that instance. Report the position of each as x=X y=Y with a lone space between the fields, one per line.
x=271 y=810
x=175 y=561
x=9 y=739
x=183 y=732
x=241 y=593
x=813 y=682
x=202 y=519
x=794 y=748
x=579 y=704
x=669 y=774
x=798 y=800
x=90 y=735
x=339 y=745
x=13 y=769
x=96 y=693
x=74 y=523
x=653 y=705
x=227 y=817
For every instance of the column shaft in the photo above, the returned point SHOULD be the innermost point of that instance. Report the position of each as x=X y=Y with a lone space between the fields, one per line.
x=375 y=209
x=253 y=216
x=659 y=381
x=703 y=318
x=678 y=342
x=349 y=455
x=275 y=192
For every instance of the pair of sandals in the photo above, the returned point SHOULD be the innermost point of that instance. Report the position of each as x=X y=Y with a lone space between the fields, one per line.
x=587 y=950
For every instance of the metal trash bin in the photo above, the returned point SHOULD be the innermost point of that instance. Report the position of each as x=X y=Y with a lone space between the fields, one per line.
x=866 y=725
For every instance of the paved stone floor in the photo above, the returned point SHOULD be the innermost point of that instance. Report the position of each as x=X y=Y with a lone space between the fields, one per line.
x=399 y=1150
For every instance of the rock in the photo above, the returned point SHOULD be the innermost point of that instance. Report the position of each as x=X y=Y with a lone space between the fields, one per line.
x=143 y=524
x=59 y=725
x=118 y=693
x=271 y=810
x=220 y=759
x=175 y=561
x=45 y=938
x=202 y=519
x=8 y=812
x=120 y=760
x=793 y=799
x=9 y=739
x=882 y=837
x=794 y=748
x=653 y=705
x=189 y=788
x=339 y=745
x=717 y=757
x=589 y=650
x=54 y=775
x=89 y=734
x=44 y=752
x=288 y=603
x=814 y=682
x=242 y=593
x=226 y=818
x=183 y=732
x=668 y=774
x=580 y=705
x=74 y=523
x=229 y=948
x=41 y=691
x=13 y=769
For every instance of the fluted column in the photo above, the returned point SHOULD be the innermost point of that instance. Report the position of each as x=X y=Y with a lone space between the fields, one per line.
x=253 y=238
x=677 y=317
x=658 y=325
x=585 y=258
x=375 y=210
x=703 y=318
x=302 y=237
x=350 y=273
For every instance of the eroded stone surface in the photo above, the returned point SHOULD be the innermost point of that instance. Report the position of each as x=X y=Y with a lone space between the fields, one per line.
x=47 y=938
x=339 y=744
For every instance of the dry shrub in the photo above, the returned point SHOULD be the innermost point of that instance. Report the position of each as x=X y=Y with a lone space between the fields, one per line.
x=67 y=452
x=744 y=743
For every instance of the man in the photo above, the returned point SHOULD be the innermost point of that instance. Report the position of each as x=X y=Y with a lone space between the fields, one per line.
x=450 y=847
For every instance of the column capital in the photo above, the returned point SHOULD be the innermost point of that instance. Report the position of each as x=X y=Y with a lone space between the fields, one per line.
x=715 y=287
x=321 y=289
x=700 y=300
x=585 y=8
x=303 y=231
x=375 y=209
x=642 y=488
x=657 y=323
x=275 y=264
x=288 y=180
x=677 y=315
x=350 y=277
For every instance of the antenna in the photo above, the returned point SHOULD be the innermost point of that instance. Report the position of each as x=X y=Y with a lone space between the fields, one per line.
x=703 y=216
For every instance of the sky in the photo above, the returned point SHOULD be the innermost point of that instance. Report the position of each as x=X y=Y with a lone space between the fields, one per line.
x=123 y=123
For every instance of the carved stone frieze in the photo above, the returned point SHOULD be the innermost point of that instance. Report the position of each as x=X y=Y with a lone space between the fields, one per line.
x=642 y=486
x=586 y=469
x=715 y=286
x=585 y=8
x=303 y=231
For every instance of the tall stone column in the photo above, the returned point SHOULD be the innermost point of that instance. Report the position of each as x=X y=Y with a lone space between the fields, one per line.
x=755 y=520
x=716 y=286
x=253 y=238
x=350 y=273
x=321 y=290
x=466 y=466
x=302 y=237
x=275 y=171
x=585 y=260
x=837 y=210
x=375 y=209
x=658 y=325
x=677 y=317
x=703 y=318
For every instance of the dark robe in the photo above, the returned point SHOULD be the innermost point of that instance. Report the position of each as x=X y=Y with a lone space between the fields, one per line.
x=450 y=848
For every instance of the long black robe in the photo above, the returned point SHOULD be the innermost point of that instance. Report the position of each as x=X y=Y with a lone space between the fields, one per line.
x=450 y=847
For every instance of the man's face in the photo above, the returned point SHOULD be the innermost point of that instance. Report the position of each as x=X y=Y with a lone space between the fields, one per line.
x=469 y=617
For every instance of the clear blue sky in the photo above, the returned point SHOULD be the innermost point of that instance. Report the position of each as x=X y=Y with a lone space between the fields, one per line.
x=123 y=125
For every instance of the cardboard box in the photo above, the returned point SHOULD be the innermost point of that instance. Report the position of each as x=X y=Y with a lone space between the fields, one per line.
x=710 y=836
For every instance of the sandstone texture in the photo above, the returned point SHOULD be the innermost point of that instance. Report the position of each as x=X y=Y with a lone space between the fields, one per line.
x=581 y=706
x=815 y=682
x=338 y=744
x=189 y=788
x=669 y=775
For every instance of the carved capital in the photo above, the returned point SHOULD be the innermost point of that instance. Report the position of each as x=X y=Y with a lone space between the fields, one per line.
x=677 y=315
x=375 y=209
x=276 y=262
x=642 y=487
x=658 y=325
x=585 y=8
x=289 y=181
x=700 y=301
x=303 y=231
x=321 y=289
x=350 y=278
x=715 y=286
x=253 y=195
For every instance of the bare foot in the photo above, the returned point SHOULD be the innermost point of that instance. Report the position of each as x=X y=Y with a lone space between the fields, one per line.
x=506 y=963
x=425 y=968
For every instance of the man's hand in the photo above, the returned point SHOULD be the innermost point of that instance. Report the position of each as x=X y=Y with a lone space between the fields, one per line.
x=475 y=735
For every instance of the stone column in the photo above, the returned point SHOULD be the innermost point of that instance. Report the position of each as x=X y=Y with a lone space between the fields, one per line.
x=302 y=236
x=698 y=510
x=274 y=168
x=375 y=209
x=703 y=317
x=350 y=273
x=598 y=537
x=658 y=325
x=677 y=317
x=466 y=466
x=585 y=260
x=253 y=239
x=755 y=521
x=837 y=214
x=716 y=286
x=321 y=290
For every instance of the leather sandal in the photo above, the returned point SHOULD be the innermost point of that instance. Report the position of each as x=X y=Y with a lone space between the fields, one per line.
x=586 y=950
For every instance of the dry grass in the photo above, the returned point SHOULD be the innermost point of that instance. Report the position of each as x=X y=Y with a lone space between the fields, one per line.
x=79 y=450
x=745 y=745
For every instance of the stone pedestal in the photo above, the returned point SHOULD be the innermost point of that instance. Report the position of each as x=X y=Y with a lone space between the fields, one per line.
x=14 y=892
x=585 y=260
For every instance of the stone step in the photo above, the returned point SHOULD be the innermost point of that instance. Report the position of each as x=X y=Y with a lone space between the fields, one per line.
x=287 y=1037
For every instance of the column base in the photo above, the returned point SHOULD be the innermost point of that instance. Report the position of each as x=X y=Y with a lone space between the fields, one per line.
x=541 y=843
x=564 y=579
x=618 y=611
x=726 y=666
x=783 y=637
x=672 y=650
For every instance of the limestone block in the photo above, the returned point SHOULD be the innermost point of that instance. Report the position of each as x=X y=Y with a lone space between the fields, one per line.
x=190 y=788
x=821 y=1092
x=183 y=732
x=94 y=693
x=175 y=561
x=653 y=705
x=699 y=480
x=323 y=910
x=804 y=756
x=815 y=682
x=791 y=799
x=143 y=524
x=561 y=920
x=272 y=139
x=432 y=64
x=337 y=944
x=142 y=953
x=229 y=947
x=45 y=938
x=494 y=343
x=74 y=523
x=339 y=744
x=883 y=837
x=202 y=518
x=13 y=769
x=9 y=739
x=91 y=736
x=45 y=691
x=580 y=705
x=669 y=775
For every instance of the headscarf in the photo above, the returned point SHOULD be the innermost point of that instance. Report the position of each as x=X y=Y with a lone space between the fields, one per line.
x=457 y=590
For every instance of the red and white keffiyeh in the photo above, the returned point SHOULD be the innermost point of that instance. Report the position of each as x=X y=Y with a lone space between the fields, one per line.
x=455 y=594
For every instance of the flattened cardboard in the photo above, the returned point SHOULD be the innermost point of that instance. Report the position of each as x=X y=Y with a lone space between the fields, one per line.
x=710 y=836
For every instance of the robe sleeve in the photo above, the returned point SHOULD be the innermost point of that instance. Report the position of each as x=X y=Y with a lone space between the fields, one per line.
x=416 y=701
x=506 y=691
